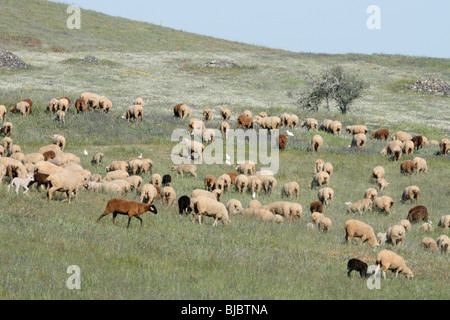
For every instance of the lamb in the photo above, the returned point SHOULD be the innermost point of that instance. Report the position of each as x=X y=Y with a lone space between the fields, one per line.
x=225 y=114
x=184 y=205
x=316 y=217
x=269 y=184
x=318 y=166
x=335 y=128
x=185 y=168
x=325 y=225
x=214 y=195
x=402 y=136
x=444 y=146
x=358 y=229
x=98 y=158
x=407 y=167
x=316 y=143
x=7 y=129
x=210 y=208
x=241 y=183
x=148 y=193
x=420 y=165
x=444 y=222
x=408 y=147
x=406 y=224
x=316 y=206
x=207 y=114
x=167 y=180
x=127 y=207
x=411 y=193
x=419 y=142
x=80 y=105
x=168 y=196
x=116 y=175
x=357 y=265
x=378 y=173
x=382 y=238
x=3 y=112
x=21 y=183
x=60 y=141
x=290 y=189
x=320 y=179
x=429 y=244
x=244 y=122
x=61 y=116
x=326 y=196
x=382 y=184
x=310 y=124
x=65 y=182
x=384 y=204
x=382 y=134
x=156 y=180
x=426 y=227
x=443 y=243
x=282 y=141
x=357 y=129
x=389 y=260
x=359 y=140
x=417 y=214
x=360 y=206
x=234 y=206
x=396 y=235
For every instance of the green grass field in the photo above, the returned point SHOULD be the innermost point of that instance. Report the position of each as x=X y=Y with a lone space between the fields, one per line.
x=171 y=257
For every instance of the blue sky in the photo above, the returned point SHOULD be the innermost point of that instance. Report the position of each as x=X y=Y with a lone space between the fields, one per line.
x=413 y=27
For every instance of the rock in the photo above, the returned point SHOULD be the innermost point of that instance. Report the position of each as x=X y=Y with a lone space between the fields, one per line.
x=433 y=86
x=89 y=59
x=9 y=61
x=221 y=64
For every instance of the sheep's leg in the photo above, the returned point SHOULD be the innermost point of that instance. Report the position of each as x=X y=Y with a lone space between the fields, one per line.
x=113 y=219
x=26 y=190
x=129 y=220
x=140 y=219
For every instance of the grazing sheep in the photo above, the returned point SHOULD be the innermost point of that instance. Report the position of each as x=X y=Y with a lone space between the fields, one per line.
x=316 y=217
x=384 y=204
x=234 y=206
x=21 y=183
x=429 y=244
x=318 y=166
x=389 y=260
x=378 y=173
x=357 y=265
x=285 y=118
x=325 y=225
x=65 y=182
x=98 y=158
x=289 y=210
x=282 y=141
x=3 y=112
x=207 y=114
x=358 y=229
x=396 y=235
x=223 y=183
x=326 y=196
x=134 y=112
x=444 y=222
x=320 y=179
x=214 y=195
x=63 y=104
x=22 y=107
x=244 y=122
x=40 y=179
x=168 y=196
x=270 y=123
x=417 y=214
x=116 y=175
x=167 y=180
x=7 y=129
x=269 y=184
x=411 y=193
x=53 y=147
x=135 y=182
x=209 y=135
x=382 y=134
x=419 y=142
x=402 y=136
x=443 y=243
x=185 y=168
x=184 y=205
x=246 y=168
x=357 y=129
x=426 y=227
x=47 y=167
x=310 y=124
x=210 y=208
x=80 y=105
x=233 y=176
x=263 y=114
x=325 y=125
x=60 y=141
x=16 y=169
x=444 y=146
x=210 y=182
x=33 y=158
x=328 y=168
x=359 y=140
x=382 y=184
x=225 y=114
x=360 y=206
x=19 y=156
x=148 y=193
x=316 y=143
x=224 y=129
x=182 y=111
x=139 y=102
x=49 y=155
x=127 y=207
x=396 y=153
x=408 y=147
x=117 y=165
x=407 y=167
x=335 y=128
x=316 y=206
x=406 y=224
x=105 y=105
x=293 y=122
x=156 y=180
x=382 y=238
x=262 y=214
x=193 y=147
x=254 y=185
x=241 y=183
x=420 y=165
x=254 y=204
x=290 y=189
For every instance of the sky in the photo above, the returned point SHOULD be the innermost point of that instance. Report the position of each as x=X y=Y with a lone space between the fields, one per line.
x=407 y=27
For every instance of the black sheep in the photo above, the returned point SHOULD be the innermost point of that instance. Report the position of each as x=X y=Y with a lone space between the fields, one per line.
x=184 y=205
x=167 y=180
x=357 y=265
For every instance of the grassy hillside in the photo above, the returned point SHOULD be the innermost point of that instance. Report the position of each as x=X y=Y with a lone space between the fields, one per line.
x=171 y=257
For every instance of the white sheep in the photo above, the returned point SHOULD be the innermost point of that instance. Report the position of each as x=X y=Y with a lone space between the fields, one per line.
x=21 y=183
x=210 y=208
x=389 y=260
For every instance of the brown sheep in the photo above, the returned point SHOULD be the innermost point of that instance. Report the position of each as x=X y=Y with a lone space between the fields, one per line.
x=244 y=122
x=407 y=167
x=49 y=155
x=419 y=142
x=30 y=103
x=207 y=114
x=210 y=182
x=181 y=111
x=382 y=134
x=282 y=141
x=417 y=214
x=80 y=105
x=127 y=207
x=316 y=206
x=233 y=176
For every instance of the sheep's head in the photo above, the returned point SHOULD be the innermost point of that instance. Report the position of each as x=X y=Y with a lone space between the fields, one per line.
x=152 y=208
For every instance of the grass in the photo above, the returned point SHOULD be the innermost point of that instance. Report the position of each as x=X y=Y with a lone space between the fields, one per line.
x=171 y=257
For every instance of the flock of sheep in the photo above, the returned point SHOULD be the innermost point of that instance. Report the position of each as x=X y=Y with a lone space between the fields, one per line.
x=59 y=171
